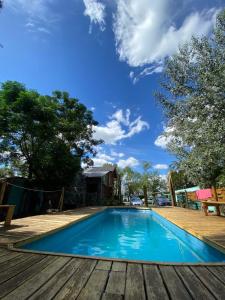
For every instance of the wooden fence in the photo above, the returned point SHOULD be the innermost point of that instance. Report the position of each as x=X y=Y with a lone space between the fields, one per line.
x=220 y=195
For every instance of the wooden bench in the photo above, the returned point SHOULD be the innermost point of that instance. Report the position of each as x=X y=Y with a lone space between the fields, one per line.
x=206 y=204
x=10 y=211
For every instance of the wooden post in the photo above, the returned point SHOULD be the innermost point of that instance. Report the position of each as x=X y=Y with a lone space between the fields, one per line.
x=171 y=188
x=61 y=199
x=214 y=192
x=4 y=184
x=9 y=215
x=145 y=195
x=186 y=199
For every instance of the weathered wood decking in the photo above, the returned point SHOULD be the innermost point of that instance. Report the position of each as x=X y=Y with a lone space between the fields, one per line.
x=36 y=276
x=30 y=227
x=40 y=276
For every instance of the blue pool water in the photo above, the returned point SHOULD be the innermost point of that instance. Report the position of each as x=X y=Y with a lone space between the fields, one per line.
x=128 y=234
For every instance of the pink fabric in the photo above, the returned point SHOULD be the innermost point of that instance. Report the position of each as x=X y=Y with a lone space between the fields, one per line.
x=204 y=194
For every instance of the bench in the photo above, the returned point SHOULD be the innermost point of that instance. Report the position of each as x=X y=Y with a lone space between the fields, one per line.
x=9 y=214
x=206 y=204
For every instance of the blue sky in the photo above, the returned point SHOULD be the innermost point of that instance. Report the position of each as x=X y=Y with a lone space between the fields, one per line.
x=108 y=54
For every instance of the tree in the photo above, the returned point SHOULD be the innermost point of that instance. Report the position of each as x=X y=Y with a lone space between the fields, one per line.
x=194 y=104
x=180 y=180
x=131 y=181
x=44 y=137
x=146 y=182
x=150 y=181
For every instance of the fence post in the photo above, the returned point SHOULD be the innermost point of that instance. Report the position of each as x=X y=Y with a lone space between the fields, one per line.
x=215 y=192
x=172 y=191
x=61 y=199
x=4 y=184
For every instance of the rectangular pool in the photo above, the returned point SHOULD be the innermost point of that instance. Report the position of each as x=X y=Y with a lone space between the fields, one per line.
x=127 y=233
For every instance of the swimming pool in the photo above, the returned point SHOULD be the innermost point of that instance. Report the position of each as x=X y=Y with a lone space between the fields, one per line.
x=131 y=234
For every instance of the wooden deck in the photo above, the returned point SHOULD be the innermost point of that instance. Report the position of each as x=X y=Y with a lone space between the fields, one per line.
x=31 y=227
x=36 y=276
x=211 y=229
x=43 y=276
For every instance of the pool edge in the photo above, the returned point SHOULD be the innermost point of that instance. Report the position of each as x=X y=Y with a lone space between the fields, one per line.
x=13 y=246
x=213 y=244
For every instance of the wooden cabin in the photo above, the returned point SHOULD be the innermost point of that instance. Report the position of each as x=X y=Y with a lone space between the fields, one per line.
x=101 y=184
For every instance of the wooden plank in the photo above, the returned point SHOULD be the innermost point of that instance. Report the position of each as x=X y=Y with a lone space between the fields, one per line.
x=95 y=286
x=134 y=282
x=36 y=225
x=3 y=252
x=51 y=287
x=174 y=285
x=119 y=266
x=213 y=284
x=77 y=281
x=14 y=261
x=107 y=296
x=155 y=288
x=13 y=271
x=116 y=283
x=31 y=285
x=196 y=223
x=218 y=271
x=103 y=265
x=10 y=255
x=16 y=281
x=193 y=284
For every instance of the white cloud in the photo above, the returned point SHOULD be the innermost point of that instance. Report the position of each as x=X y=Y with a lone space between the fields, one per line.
x=161 y=166
x=147 y=71
x=164 y=139
x=102 y=158
x=117 y=154
x=98 y=162
x=131 y=74
x=129 y=162
x=39 y=16
x=44 y=30
x=120 y=127
x=95 y=10
x=148 y=31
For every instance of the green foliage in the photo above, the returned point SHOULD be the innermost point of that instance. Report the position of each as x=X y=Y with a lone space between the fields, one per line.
x=137 y=183
x=194 y=104
x=131 y=180
x=44 y=137
x=221 y=179
x=180 y=180
x=6 y=172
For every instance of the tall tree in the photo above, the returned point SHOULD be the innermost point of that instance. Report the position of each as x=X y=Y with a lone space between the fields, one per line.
x=44 y=137
x=131 y=181
x=148 y=181
x=194 y=104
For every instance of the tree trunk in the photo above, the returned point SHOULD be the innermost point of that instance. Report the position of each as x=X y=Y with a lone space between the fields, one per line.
x=30 y=172
x=214 y=192
x=145 y=195
x=172 y=191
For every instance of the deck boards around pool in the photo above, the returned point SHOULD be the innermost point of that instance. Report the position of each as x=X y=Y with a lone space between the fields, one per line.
x=208 y=228
x=35 y=276
x=29 y=227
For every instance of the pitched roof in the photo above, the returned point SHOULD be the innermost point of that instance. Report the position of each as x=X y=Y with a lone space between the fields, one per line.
x=98 y=171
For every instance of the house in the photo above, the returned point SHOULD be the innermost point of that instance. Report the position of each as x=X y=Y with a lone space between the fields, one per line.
x=102 y=185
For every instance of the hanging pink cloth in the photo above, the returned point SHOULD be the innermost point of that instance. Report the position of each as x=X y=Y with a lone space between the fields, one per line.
x=204 y=194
